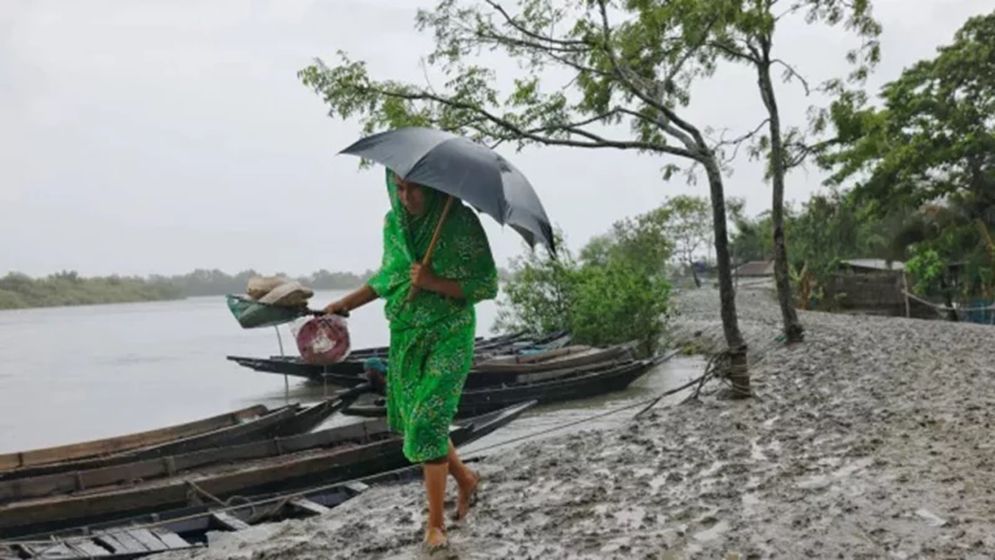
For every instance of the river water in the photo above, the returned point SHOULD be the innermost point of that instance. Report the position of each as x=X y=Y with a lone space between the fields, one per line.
x=77 y=373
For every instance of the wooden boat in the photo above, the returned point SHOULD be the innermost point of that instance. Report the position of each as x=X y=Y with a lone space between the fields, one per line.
x=179 y=529
x=186 y=528
x=259 y=468
x=481 y=344
x=614 y=377
x=350 y=372
x=119 y=444
x=544 y=366
x=283 y=421
x=96 y=478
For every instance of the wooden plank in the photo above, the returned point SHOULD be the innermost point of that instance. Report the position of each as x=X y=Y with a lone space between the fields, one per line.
x=120 y=542
x=148 y=539
x=584 y=358
x=565 y=372
x=307 y=506
x=89 y=548
x=109 y=540
x=357 y=486
x=51 y=551
x=170 y=539
x=124 y=537
x=229 y=522
x=17 y=489
x=134 y=545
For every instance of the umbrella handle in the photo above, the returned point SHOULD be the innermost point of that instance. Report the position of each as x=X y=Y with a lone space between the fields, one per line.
x=427 y=259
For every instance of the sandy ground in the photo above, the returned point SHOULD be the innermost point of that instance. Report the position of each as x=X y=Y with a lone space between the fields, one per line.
x=873 y=439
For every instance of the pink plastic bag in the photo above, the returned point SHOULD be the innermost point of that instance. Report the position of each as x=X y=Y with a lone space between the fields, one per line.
x=323 y=340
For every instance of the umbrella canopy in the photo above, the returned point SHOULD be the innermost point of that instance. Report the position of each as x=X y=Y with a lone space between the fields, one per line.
x=464 y=169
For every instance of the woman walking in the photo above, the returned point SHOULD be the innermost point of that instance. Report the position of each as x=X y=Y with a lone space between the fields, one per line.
x=431 y=334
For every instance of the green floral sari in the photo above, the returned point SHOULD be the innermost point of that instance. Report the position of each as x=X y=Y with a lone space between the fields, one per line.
x=431 y=337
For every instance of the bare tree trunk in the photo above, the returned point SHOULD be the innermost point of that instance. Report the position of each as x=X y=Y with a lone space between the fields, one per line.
x=738 y=372
x=793 y=330
x=694 y=275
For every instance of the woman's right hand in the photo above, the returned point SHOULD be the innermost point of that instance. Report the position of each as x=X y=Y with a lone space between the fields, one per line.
x=339 y=307
x=351 y=302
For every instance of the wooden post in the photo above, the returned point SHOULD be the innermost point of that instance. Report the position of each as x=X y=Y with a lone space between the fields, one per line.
x=905 y=292
x=286 y=380
x=427 y=259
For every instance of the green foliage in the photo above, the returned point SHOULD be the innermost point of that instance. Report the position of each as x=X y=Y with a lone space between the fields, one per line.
x=827 y=229
x=642 y=242
x=935 y=134
x=598 y=249
x=926 y=269
x=616 y=293
x=948 y=231
x=835 y=226
x=537 y=295
x=751 y=240
x=929 y=150
x=12 y=300
x=618 y=302
x=687 y=222
x=629 y=70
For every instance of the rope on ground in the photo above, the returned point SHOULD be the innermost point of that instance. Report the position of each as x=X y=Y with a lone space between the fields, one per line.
x=699 y=381
x=710 y=371
x=730 y=366
x=646 y=404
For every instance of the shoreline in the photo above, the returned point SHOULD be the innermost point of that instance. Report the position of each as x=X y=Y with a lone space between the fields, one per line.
x=95 y=303
x=871 y=439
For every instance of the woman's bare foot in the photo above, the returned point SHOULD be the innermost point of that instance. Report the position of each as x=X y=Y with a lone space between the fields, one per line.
x=467 y=496
x=435 y=538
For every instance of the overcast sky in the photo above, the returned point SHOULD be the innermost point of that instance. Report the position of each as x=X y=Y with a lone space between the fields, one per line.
x=141 y=136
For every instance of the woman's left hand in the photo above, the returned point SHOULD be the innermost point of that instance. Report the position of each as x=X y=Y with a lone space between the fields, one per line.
x=422 y=277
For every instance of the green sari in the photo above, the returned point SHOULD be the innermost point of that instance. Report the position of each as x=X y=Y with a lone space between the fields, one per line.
x=431 y=337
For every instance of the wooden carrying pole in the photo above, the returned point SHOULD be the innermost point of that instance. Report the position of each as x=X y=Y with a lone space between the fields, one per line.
x=427 y=259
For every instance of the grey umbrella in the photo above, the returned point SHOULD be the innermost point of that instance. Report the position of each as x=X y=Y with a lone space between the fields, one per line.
x=464 y=169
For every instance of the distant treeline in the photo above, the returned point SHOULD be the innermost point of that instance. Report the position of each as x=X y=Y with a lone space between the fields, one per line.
x=69 y=288
x=18 y=291
x=215 y=282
